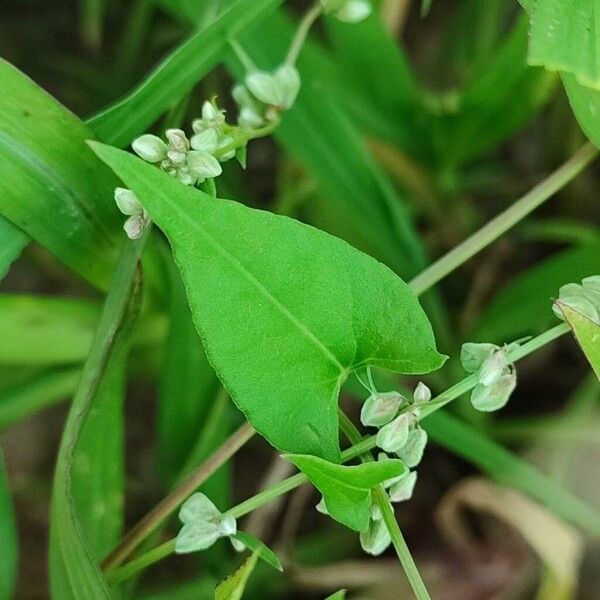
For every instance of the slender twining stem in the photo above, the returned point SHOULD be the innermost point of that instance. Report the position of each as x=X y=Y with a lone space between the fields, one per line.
x=359 y=448
x=384 y=503
x=504 y=221
x=151 y=521
x=307 y=22
x=139 y=564
x=242 y=55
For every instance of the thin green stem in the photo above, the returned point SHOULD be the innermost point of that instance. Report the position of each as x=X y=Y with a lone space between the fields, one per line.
x=504 y=221
x=242 y=55
x=151 y=521
x=382 y=500
x=243 y=137
x=139 y=564
x=306 y=23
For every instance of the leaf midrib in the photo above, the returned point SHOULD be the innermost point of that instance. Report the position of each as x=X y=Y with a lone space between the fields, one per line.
x=264 y=291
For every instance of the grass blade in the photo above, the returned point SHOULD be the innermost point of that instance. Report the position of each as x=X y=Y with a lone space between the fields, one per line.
x=74 y=572
x=12 y=242
x=8 y=535
x=176 y=74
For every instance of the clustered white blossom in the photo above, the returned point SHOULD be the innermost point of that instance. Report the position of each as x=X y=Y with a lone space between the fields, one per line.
x=496 y=377
x=397 y=418
x=261 y=100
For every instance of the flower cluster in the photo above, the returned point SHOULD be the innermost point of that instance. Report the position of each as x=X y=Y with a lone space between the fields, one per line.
x=397 y=418
x=203 y=525
x=584 y=298
x=263 y=96
x=349 y=11
x=496 y=377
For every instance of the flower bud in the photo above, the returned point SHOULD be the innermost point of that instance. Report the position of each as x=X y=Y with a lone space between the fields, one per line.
x=134 y=226
x=393 y=436
x=203 y=165
x=177 y=140
x=150 y=147
x=493 y=367
x=472 y=355
x=493 y=397
x=376 y=539
x=412 y=452
x=227 y=525
x=380 y=408
x=422 y=393
x=127 y=202
x=205 y=141
x=403 y=489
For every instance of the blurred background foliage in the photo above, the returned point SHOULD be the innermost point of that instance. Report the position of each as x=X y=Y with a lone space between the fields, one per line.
x=409 y=134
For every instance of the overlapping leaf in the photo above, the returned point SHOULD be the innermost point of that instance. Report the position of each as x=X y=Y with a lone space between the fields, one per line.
x=53 y=187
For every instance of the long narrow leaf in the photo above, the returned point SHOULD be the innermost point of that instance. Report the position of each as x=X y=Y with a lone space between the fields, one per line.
x=8 y=536
x=177 y=74
x=52 y=186
x=73 y=569
x=12 y=242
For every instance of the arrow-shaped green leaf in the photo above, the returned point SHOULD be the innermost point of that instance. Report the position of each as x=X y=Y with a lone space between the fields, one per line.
x=285 y=311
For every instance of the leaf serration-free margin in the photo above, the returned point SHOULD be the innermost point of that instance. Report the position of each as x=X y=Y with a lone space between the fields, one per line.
x=285 y=310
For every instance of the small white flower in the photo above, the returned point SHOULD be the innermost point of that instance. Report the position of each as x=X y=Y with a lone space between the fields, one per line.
x=492 y=397
x=412 y=452
x=393 y=436
x=226 y=142
x=403 y=490
x=472 y=355
x=205 y=141
x=277 y=89
x=127 y=202
x=493 y=367
x=203 y=524
x=376 y=539
x=422 y=394
x=212 y=118
x=136 y=225
x=584 y=298
x=129 y=205
x=203 y=165
x=380 y=408
x=150 y=147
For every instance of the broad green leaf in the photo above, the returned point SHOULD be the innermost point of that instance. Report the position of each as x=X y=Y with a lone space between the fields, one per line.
x=12 y=242
x=187 y=386
x=254 y=544
x=563 y=36
x=39 y=390
x=233 y=587
x=177 y=74
x=74 y=571
x=53 y=187
x=285 y=311
x=44 y=330
x=8 y=535
x=524 y=305
x=587 y=334
x=347 y=490
x=509 y=469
